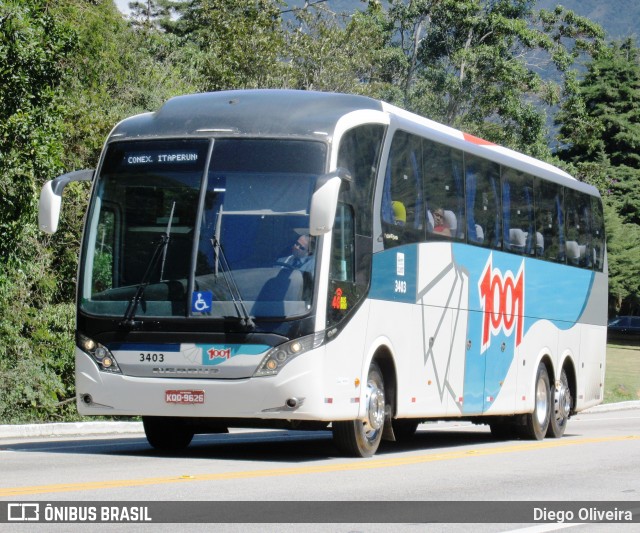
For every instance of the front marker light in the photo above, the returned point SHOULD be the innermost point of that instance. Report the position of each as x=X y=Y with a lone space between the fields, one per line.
x=279 y=356
x=100 y=354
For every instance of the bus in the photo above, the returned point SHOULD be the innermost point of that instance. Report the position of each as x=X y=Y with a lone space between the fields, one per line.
x=304 y=260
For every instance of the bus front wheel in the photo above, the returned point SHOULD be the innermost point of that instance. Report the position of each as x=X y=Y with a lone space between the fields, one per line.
x=167 y=434
x=361 y=438
x=536 y=423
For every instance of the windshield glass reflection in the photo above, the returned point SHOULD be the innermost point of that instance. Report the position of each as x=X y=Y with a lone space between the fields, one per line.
x=233 y=240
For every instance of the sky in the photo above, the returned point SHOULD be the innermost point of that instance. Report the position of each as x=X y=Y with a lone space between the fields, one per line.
x=123 y=5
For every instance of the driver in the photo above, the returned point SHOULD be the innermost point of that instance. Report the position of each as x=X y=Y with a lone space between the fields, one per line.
x=300 y=258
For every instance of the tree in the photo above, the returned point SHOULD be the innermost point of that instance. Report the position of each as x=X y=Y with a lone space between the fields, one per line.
x=623 y=243
x=601 y=121
x=469 y=64
x=232 y=43
x=599 y=128
x=34 y=50
x=153 y=14
x=342 y=52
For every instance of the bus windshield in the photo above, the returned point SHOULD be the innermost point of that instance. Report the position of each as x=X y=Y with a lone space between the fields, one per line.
x=202 y=229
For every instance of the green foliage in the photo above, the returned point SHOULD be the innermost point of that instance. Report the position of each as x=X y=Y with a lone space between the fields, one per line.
x=602 y=117
x=475 y=64
x=600 y=131
x=342 y=53
x=623 y=243
x=231 y=43
x=33 y=48
x=35 y=371
x=36 y=352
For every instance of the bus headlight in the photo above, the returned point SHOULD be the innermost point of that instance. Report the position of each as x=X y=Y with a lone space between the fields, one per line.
x=99 y=353
x=279 y=356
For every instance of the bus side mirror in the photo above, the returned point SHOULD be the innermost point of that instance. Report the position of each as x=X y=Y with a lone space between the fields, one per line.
x=51 y=198
x=325 y=200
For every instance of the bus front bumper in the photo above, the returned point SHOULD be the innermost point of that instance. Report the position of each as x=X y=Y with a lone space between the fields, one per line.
x=296 y=393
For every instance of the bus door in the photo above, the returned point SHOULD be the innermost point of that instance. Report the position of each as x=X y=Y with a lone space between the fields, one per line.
x=495 y=327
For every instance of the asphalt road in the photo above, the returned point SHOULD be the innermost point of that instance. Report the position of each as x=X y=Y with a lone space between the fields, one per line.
x=598 y=459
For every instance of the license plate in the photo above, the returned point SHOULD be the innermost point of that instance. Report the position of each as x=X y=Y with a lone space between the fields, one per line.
x=184 y=396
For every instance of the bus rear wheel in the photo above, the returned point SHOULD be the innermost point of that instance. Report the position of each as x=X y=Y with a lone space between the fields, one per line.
x=167 y=434
x=536 y=423
x=361 y=438
x=561 y=408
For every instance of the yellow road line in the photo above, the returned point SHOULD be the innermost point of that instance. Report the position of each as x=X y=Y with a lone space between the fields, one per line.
x=362 y=464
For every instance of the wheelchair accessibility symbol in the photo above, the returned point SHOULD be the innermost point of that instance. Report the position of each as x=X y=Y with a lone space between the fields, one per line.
x=201 y=301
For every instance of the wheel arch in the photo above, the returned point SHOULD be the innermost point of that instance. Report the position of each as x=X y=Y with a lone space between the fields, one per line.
x=568 y=365
x=546 y=359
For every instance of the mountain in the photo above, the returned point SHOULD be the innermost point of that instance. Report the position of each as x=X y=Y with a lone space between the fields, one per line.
x=619 y=18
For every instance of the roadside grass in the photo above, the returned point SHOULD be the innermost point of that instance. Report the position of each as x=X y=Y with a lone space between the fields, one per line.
x=622 y=373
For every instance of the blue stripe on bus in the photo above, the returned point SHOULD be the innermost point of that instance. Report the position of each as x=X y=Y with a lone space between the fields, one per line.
x=395 y=275
x=552 y=292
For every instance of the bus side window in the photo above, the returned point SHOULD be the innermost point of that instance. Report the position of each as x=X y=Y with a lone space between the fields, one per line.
x=597 y=234
x=343 y=291
x=483 y=202
x=517 y=212
x=578 y=228
x=444 y=191
x=359 y=152
x=343 y=245
x=402 y=201
x=104 y=268
x=549 y=221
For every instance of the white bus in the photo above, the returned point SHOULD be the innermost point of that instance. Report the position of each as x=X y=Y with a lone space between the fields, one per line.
x=304 y=260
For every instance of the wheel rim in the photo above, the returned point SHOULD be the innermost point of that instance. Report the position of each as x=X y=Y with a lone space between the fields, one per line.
x=375 y=409
x=542 y=401
x=562 y=400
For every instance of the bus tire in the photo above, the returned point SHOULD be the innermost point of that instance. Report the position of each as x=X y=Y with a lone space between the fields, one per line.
x=561 y=407
x=167 y=434
x=361 y=438
x=536 y=423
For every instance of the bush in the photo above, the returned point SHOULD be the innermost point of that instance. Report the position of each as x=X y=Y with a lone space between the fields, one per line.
x=36 y=353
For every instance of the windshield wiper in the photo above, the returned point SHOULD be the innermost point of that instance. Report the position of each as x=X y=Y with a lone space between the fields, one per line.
x=234 y=291
x=161 y=250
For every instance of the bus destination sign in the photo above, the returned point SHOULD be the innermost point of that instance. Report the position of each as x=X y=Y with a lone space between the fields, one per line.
x=151 y=158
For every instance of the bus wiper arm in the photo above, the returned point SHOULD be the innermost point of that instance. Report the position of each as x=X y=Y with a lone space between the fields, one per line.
x=161 y=250
x=234 y=291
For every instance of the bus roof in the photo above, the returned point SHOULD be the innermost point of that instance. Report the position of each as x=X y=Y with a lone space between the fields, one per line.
x=247 y=112
x=279 y=112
